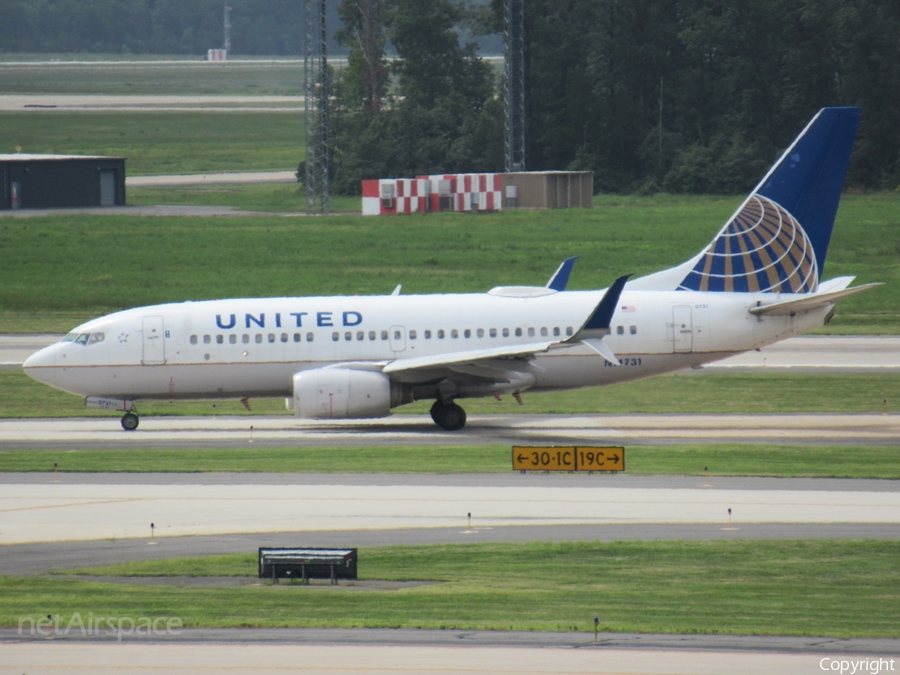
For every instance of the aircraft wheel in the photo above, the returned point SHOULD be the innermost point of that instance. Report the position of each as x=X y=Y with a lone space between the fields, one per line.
x=448 y=416
x=436 y=411
x=130 y=422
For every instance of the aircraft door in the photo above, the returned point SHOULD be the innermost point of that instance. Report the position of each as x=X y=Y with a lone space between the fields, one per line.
x=683 y=328
x=398 y=338
x=154 y=353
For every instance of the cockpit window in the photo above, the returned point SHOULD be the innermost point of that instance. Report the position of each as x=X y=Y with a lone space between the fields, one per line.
x=85 y=338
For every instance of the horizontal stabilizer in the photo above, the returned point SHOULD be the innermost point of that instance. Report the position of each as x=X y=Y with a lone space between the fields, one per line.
x=811 y=301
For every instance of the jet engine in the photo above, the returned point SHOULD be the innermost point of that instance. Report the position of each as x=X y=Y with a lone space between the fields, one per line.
x=342 y=393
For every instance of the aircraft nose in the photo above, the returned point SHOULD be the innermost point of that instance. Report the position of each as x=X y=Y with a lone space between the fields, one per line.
x=34 y=364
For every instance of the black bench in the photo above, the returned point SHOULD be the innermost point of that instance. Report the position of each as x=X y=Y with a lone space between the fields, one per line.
x=307 y=563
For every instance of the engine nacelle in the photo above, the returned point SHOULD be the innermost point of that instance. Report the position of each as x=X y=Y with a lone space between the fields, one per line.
x=342 y=393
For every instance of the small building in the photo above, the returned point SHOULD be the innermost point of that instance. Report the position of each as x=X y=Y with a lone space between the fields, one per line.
x=60 y=181
x=550 y=189
x=478 y=192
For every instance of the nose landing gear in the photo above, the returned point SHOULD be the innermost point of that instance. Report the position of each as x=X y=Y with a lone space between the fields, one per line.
x=130 y=421
x=448 y=416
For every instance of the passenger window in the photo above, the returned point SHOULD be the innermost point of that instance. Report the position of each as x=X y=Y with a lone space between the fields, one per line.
x=348 y=335
x=309 y=337
x=632 y=330
x=620 y=330
x=398 y=335
x=271 y=337
x=454 y=333
x=412 y=335
x=206 y=339
x=384 y=335
x=360 y=335
x=518 y=332
x=570 y=331
x=556 y=331
x=480 y=332
x=245 y=339
x=493 y=332
x=506 y=332
x=335 y=336
x=220 y=339
x=193 y=339
x=531 y=331
x=297 y=337
x=284 y=337
x=467 y=333
x=427 y=334
x=232 y=339
x=372 y=335
x=544 y=331
x=441 y=334
x=259 y=338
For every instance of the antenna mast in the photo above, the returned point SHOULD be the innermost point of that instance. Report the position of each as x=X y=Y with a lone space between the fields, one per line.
x=227 y=27
x=514 y=84
x=315 y=66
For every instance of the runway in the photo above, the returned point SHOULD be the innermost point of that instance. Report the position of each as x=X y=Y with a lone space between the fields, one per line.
x=588 y=429
x=99 y=519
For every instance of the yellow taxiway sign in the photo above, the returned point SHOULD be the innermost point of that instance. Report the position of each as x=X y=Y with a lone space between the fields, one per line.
x=568 y=458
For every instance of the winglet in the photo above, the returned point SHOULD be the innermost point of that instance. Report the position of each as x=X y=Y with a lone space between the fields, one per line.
x=603 y=314
x=397 y=290
x=560 y=278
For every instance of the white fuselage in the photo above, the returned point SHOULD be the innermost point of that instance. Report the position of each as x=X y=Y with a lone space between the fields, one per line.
x=253 y=347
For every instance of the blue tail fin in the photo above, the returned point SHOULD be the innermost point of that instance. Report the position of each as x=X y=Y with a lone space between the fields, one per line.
x=778 y=239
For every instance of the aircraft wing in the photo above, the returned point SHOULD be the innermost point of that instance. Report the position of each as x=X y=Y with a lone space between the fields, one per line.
x=591 y=333
x=808 y=301
x=470 y=357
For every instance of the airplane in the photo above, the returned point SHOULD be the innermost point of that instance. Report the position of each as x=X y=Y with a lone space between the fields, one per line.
x=349 y=357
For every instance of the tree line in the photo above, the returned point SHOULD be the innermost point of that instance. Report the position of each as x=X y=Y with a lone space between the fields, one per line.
x=675 y=95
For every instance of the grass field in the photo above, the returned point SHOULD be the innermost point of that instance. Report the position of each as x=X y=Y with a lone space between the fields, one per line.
x=783 y=461
x=277 y=197
x=163 y=142
x=90 y=265
x=176 y=77
x=837 y=588
x=20 y=396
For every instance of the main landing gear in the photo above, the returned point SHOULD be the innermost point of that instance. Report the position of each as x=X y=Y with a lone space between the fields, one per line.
x=448 y=416
x=130 y=421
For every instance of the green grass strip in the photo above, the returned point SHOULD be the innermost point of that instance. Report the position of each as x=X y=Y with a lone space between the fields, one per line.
x=684 y=460
x=839 y=588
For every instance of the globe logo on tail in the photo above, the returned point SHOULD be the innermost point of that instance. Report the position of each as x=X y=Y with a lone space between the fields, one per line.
x=762 y=249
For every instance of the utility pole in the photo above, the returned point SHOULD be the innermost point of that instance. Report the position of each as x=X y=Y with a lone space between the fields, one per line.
x=227 y=46
x=514 y=84
x=315 y=92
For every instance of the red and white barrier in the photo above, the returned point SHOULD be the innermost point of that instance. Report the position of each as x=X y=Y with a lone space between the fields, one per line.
x=453 y=192
x=217 y=55
x=393 y=196
x=474 y=191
